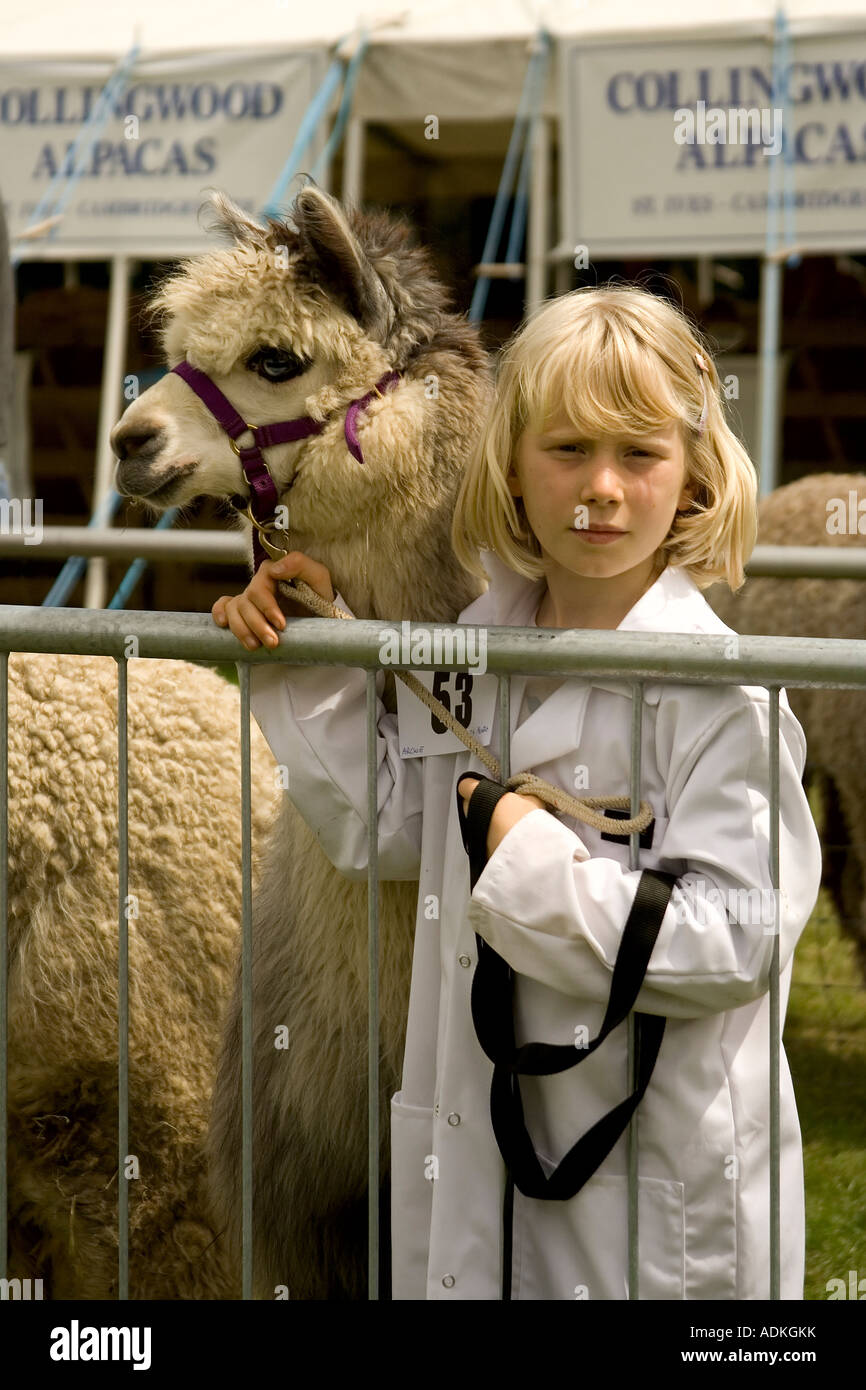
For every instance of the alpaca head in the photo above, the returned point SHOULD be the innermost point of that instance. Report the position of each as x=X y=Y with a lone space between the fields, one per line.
x=291 y=319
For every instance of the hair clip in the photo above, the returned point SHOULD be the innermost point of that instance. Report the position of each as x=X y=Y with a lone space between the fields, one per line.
x=704 y=369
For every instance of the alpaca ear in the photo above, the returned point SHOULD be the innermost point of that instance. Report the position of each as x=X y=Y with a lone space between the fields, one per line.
x=340 y=262
x=226 y=217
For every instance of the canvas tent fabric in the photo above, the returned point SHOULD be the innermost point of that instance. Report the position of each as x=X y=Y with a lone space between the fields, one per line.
x=465 y=61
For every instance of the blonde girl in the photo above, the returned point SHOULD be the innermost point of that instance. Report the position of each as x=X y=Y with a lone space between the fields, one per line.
x=607 y=491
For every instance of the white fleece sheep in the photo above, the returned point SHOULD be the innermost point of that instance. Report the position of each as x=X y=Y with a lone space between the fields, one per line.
x=184 y=873
x=811 y=512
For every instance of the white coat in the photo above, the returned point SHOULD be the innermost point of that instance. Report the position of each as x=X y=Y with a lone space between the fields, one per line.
x=552 y=901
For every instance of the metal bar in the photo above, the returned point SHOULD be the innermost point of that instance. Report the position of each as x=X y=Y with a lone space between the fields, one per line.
x=124 y=908
x=4 y=942
x=353 y=161
x=111 y=395
x=538 y=233
x=154 y=251
x=633 y=851
x=775 y=1133
x=706 y=281
x=808 y=562
x=768 y=380
x=243 y=671
x=232 y=547
x=772 y=273
x=679 y=658
x=372 y=990
x=131 y=543
x=504 y=692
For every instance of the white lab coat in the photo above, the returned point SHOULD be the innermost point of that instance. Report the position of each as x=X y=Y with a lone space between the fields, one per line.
x=552 y=901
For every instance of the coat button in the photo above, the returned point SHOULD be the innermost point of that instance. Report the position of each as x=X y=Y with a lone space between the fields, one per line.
x=453 y=1118
x=448 y=1281
x=465 y=961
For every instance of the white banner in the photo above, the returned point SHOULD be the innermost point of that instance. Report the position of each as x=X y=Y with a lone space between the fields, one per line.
x=181 y=125
x=666 y=146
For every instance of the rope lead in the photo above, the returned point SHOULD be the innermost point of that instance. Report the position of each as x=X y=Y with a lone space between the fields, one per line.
x=523 y=783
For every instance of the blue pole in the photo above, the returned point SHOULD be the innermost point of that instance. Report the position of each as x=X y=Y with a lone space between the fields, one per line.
x=75 y=566
x=529 y=98
x=345 y=107
x=312 y=117
x=127 y=584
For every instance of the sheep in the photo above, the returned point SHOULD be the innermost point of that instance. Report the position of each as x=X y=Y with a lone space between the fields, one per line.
x=819 y=510
x=184 y=917
x=301 y=317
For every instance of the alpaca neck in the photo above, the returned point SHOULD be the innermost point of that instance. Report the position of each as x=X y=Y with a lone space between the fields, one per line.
x=387 y=581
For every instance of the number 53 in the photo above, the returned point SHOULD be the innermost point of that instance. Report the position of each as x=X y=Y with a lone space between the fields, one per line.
x=462 y=711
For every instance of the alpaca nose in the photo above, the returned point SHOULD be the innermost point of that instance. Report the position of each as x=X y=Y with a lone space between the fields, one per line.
x=126 y=440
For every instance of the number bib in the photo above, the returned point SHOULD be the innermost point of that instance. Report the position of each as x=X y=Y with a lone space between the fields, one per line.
x=470 y=698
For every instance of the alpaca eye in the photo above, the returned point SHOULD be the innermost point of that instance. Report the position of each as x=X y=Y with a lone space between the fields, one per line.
x=277 y=364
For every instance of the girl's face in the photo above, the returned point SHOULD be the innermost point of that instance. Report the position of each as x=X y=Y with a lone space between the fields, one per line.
x=600 y=507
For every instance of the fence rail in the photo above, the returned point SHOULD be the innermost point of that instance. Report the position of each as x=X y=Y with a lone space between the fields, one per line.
x=635 y=658
x=232 y=548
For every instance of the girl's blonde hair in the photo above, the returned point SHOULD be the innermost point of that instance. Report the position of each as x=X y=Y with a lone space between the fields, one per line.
x=617 y=359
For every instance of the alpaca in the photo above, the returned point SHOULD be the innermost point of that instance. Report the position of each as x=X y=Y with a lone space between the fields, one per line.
x=185 y=879
x=808 y=512
x=300 y=318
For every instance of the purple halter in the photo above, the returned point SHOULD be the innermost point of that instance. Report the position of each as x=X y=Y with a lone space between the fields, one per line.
x=263 y=491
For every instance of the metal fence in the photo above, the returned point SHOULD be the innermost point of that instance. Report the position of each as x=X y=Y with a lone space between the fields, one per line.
x=630 y=657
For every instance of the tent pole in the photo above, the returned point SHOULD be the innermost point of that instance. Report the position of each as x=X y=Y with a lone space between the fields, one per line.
x=353 y=161
x=112 y=394
x=772 y=272
x=538 y=230
x=705 y=281
x=768 y=377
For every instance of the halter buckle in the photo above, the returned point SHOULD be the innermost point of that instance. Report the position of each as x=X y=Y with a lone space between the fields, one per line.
x=266 y=530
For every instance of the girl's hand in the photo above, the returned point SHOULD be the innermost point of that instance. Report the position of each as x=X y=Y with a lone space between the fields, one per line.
x=247 y=614
x=508 y=810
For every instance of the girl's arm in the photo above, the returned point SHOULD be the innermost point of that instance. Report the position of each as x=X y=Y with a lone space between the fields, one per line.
x=556 y=915
x=315 y=719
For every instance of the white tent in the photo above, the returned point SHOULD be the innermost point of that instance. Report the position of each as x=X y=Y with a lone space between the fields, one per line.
x=464 y=62
x=465 y=59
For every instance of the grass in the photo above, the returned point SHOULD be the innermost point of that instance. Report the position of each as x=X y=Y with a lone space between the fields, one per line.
x=825 y=1041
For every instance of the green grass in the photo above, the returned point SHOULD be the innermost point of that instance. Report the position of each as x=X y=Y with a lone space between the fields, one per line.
x=825 y=1040
x=229 y=672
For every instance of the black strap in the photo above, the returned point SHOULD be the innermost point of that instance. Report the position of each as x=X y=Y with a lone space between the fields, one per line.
x=492 y=986
x=475 y=823
x=492 y=1015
